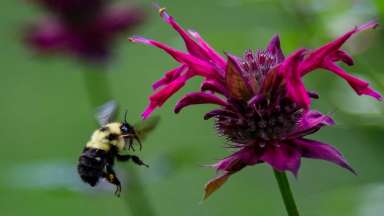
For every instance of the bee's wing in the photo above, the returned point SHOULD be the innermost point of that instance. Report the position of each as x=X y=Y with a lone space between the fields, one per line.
x=144 y=127
x=106 y=113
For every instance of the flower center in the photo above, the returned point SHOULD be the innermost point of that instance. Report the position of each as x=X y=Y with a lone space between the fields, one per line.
x=257 y=64
x=262 y=123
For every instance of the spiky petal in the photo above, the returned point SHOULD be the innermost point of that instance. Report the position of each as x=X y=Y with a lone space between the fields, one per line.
x=325 y=58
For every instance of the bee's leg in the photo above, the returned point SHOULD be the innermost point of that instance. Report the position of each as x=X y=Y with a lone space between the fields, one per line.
x=123 y=157
x=111 y=177
x=138 y=161
x=134 y=158
x=138 y=140
x=131 y=144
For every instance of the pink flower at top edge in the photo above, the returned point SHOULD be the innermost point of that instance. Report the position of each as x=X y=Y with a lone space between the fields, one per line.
x=86 y=29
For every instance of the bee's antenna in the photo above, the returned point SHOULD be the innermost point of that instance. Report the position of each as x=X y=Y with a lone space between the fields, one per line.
x=125 y=116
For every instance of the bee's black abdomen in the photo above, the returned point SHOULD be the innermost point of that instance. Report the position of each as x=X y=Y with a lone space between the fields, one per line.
x=91 y=165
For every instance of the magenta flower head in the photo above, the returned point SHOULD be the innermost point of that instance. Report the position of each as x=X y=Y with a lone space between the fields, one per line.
x=263 y=106
x=83 y=28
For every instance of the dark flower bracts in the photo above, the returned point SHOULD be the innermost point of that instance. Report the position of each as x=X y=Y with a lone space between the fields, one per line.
x=83 y=28
x=263 y=106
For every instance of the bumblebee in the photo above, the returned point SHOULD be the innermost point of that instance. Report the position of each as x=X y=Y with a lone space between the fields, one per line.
x=106 y=145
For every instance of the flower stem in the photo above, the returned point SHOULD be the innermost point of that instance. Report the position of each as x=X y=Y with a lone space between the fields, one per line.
x=99 y=91
x=135 y=196
x=97 y=87
x=286 y=193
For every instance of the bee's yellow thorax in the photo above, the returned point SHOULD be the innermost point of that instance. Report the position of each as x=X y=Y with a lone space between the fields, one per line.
x=99 y=138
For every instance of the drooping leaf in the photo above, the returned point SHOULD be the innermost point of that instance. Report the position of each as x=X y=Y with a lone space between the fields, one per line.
x=214 y=184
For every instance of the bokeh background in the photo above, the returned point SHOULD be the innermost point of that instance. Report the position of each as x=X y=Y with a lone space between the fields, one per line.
x=46 y=116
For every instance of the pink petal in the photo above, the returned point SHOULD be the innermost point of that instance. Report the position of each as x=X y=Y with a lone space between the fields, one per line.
x=213 y=86
x=148 y=110
x=169 y=77
x=318 y=150
x=343 y=56
x=295 y=87
x=198 y=98
x=201 y=49
x=238 y=160
x=274 y=48
x=218 y=59
x=325 y=56
x=282 y=157
x=201 y=67
x=158 y=99
x=317 y=56
x=366 y=26
x=192 y=47
x=311 y=122
x=361 y=87
x=230 y=165
x=371 y=92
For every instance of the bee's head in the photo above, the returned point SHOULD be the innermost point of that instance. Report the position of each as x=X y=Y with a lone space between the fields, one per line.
x=125 y=127
x=129 y=133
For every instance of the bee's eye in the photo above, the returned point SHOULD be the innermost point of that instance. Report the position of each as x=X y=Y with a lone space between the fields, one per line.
x=124 y=128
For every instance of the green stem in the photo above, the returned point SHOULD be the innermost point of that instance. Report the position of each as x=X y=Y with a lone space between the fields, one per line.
x=99 y=91
x=97 y=87
x=286 y=193
x=135 y=196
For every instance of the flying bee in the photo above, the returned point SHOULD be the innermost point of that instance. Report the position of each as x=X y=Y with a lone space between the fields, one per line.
x=107 y=143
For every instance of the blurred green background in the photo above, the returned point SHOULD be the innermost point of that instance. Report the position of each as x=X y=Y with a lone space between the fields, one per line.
x=46 y=117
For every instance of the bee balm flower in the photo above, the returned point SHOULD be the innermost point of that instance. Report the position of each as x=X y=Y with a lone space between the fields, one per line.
x=263 y=105
x=83 y=28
